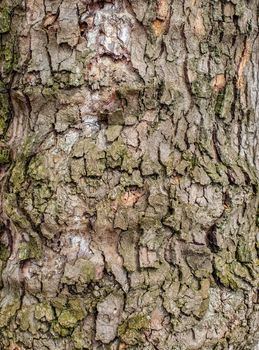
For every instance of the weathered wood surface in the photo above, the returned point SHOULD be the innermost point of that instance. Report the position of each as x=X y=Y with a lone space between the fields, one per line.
x=129 y=174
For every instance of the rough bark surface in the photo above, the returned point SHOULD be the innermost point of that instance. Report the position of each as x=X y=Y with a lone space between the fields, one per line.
x=129 y=174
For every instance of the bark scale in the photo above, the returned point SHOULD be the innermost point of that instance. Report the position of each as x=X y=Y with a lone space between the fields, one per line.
x=129 y=174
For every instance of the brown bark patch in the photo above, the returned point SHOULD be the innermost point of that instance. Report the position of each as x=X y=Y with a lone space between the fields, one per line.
x=199 y=28
x=229 y=10
x=218 y=82
x=157 y=318
x=243 y=62
x=158 y=27
x=14 y=347
x=162 y=9
x=49 y=20
x=130 y=198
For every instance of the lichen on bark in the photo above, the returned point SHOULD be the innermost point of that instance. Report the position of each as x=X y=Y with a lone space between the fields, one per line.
x=129 y=174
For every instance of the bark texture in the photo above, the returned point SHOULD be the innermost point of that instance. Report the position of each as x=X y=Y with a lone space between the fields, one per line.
x=129 y=174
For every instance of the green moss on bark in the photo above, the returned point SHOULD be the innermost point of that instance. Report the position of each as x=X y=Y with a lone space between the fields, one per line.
x=30 y=250
x=4 y=111
x=131 y=330
x=5 y=155
x=5 y=19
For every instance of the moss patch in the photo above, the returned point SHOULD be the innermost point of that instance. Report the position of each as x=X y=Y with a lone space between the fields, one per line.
x=4 y=112
x=44 y=311
x=4 y=252
x=5 y=19
x=9 y=309
x=72 y=313
x=131 y=330
x=37 y=169
x=30 y=250
x=9 y=56
x=82 y=272
x=5 y=155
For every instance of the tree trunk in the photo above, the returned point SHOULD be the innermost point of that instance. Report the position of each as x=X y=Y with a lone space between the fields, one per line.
x=129 y=174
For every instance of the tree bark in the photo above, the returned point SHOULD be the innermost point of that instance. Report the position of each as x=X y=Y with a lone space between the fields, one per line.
x=129 y=174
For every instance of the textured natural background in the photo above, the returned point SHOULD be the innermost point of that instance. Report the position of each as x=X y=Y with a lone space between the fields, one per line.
x=129 y=174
